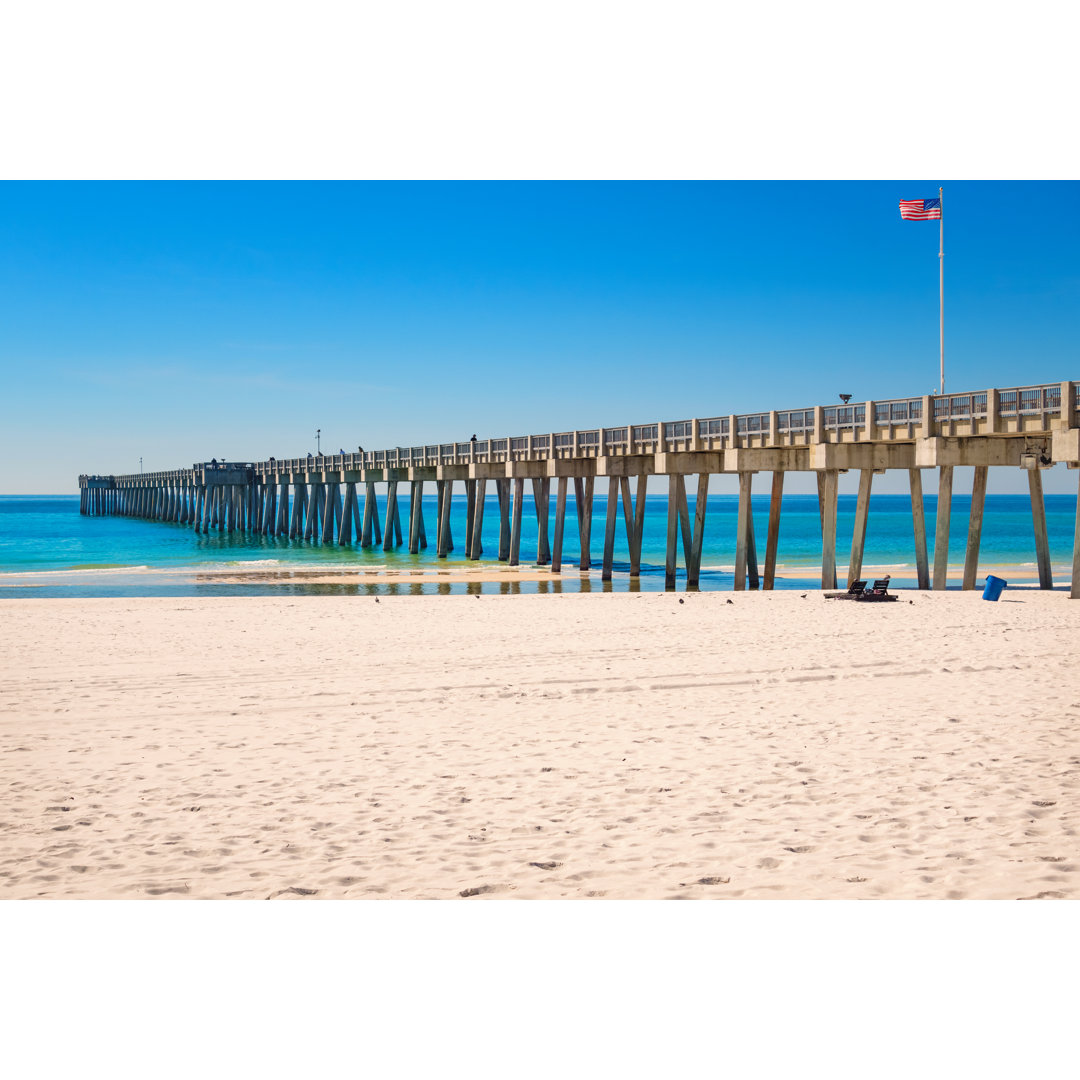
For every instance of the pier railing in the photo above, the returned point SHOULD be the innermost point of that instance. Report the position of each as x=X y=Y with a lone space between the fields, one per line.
x=1016 y=410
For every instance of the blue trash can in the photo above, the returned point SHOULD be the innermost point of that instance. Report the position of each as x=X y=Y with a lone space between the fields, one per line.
x=994 y=587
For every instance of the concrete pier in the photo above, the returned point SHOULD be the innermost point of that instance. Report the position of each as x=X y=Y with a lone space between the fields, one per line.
x=318 y=498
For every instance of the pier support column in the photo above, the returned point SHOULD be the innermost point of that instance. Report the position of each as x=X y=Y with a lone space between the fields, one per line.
x=470 y=513
x=476 y=547
x=829 y=482
x=316 y=501
x=267 y=508
x=304 y=517
x=283 y=510
x=1074 y=588
x=515 y=521
x=345 y=531
x=391 y=514
x=670 y=550
x=772 y=538
x=609 y=527
x=918 y=518
x=684 y=522
x=752 y=574
x=318 y=510
x=1038 y=517
x=975 y=519
x=443 y=542
x=307 y=511
x=583 y=499
x=296 y=521
x=628 y=520
x=542 y=503
x=693 y=557
x=858 y=537
x=357 y=523
x=941 y=532
x=502 y=490
x=416 y=515
x=743 y=527
x=560 y=524
x=371 y=516
x=332 y=512
x=639 y=523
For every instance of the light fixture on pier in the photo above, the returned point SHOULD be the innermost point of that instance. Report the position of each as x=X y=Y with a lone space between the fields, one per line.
x=845 y=398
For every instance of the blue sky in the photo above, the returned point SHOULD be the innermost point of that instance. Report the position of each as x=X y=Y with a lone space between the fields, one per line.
x=181 y=321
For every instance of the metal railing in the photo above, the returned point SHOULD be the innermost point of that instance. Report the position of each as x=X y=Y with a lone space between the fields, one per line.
x=898 y=411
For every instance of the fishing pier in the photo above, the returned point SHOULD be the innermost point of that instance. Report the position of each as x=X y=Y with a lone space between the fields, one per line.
x=334 y=498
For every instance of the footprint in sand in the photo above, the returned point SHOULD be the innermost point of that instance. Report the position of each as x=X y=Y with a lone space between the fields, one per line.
x=479 y=890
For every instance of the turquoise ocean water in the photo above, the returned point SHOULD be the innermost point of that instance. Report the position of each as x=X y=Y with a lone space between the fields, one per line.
x=48 y=549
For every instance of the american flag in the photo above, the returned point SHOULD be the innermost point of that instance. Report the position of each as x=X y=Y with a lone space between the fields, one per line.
x=920 y=209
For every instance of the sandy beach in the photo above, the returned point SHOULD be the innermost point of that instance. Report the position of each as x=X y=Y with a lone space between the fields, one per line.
x=719 y=745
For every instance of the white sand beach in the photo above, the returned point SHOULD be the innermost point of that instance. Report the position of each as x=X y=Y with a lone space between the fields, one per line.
x=717 y=745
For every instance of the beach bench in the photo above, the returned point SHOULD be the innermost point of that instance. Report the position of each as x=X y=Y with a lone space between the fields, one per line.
x=854 y=592
x=879 y=591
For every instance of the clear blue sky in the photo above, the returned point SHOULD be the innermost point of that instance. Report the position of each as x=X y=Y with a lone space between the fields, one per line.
x=183 y=321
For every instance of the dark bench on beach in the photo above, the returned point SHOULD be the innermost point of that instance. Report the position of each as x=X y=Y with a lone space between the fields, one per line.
x=857 y=590
x=854 y=592
x=879 y=591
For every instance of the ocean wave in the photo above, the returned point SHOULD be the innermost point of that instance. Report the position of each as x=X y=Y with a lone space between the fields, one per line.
x=75 y=570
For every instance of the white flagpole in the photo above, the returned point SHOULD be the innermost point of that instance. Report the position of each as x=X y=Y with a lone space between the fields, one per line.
x=941 y=275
